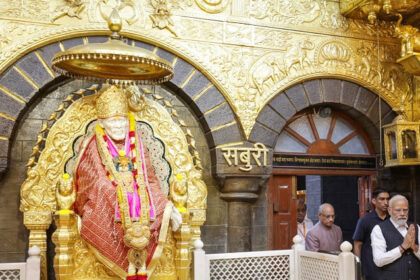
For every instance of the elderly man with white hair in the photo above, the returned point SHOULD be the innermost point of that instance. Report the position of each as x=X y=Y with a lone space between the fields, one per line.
x=395 y=243
x=325 y=236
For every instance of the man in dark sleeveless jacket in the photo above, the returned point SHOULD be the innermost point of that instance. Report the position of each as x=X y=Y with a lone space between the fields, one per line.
x=395 y=244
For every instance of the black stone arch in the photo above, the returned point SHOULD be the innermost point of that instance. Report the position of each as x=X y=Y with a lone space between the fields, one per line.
x=358 y=102
x=26 y=80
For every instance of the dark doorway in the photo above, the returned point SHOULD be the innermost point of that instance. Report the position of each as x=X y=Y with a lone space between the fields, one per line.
x=342 y=193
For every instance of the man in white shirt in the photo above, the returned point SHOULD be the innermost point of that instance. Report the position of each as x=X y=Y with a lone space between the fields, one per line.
x=395 y=243
x=304 y=223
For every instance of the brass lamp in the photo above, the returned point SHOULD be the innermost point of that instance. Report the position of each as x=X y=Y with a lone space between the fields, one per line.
x=113 y=62
x=402 y=142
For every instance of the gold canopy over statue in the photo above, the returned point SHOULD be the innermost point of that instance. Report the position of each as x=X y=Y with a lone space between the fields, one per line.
x=117 y=175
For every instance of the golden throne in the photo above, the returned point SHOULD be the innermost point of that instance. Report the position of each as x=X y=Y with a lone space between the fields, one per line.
x=60 y=138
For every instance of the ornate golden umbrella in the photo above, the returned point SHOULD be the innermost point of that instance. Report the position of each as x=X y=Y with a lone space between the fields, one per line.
x=113 y=62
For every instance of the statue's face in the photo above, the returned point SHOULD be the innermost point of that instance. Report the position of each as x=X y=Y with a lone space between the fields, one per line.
x=115 y=127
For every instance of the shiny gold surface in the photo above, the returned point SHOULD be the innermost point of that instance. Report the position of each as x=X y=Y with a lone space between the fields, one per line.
x=242 y=47
x=64 y=238
x=113 y=61
x=383 y=9
x=402 y=13
x=38 y=193
x=397 y=128
x=411 y=63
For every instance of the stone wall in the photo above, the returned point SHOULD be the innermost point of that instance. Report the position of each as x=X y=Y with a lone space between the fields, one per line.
x=13 y=234
x=260 y=227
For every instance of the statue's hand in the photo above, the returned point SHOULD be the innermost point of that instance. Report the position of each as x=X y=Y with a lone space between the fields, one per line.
x=176 y=218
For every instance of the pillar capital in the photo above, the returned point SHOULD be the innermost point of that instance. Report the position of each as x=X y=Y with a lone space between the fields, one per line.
x=241 y=188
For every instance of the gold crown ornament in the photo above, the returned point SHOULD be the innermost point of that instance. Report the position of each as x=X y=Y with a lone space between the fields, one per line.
x=111 y=102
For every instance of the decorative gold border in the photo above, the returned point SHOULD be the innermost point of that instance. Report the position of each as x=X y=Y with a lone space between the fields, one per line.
x=162 y=238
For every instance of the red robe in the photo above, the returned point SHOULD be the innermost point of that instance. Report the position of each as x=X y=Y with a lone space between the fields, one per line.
x=96 y=202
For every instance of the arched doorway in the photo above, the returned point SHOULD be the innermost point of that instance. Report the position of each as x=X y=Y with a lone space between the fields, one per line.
x=321 y=155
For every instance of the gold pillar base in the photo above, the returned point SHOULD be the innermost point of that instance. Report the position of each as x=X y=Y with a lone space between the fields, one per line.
x=183 y=248
x=64 y=238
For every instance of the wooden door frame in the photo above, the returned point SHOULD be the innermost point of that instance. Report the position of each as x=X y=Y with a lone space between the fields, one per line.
x=301 y=172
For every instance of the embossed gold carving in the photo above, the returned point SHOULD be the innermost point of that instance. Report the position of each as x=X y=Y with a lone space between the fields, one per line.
x=123 y=6
x=334 y=54
x=161 y=16
x=212 y=6
x=410 y=38
x=331 y=17
x=202 y=41
x=27 y=9
x=286 y=12
x=72 y=8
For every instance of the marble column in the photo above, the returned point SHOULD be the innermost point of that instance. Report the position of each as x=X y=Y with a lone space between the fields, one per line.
x=240 y=192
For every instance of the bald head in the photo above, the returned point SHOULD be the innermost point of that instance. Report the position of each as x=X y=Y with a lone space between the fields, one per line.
x=325 y=207
x=326 y=214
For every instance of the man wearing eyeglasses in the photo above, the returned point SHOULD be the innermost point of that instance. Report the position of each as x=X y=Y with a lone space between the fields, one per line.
x=325 y=236
x=395 y=243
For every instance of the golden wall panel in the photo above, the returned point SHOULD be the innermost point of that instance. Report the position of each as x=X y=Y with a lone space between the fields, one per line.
x=250 y=49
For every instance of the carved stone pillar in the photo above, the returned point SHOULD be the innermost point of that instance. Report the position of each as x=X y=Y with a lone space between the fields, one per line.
x=240 y=191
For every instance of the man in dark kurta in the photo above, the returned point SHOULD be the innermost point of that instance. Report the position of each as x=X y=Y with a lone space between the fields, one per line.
x=361 y=237
x=325 y=236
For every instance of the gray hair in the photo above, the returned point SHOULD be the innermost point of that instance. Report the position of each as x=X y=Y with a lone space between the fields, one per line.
x=395 y=198
x=322 y=206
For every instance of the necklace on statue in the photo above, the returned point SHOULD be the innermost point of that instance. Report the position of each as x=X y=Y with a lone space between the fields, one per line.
x=124 y=166
x=123 y=162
